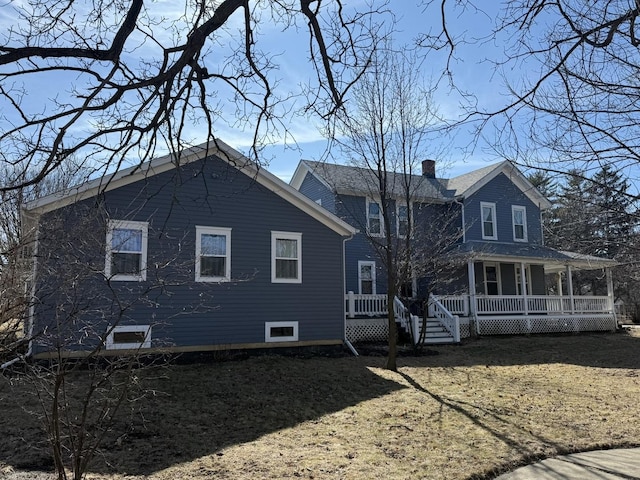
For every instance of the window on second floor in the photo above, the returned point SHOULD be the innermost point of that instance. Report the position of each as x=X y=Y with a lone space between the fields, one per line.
x=402 y=219
x=488 y=211
x=519 y=216
x=374 y=219
x=126 y=257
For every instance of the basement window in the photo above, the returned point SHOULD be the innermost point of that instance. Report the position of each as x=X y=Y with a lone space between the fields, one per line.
x=281 y=332
x=129 y=337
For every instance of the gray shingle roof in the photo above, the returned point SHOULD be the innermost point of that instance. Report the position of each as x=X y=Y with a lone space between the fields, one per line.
x=349 y=180
x=464 y=182
x=520 y=251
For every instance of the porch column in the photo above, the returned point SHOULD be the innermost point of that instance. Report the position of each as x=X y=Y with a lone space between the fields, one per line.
x=610 y=294
x=559 y=283
x=525 y=301
x=472 y=294
x=570 y=288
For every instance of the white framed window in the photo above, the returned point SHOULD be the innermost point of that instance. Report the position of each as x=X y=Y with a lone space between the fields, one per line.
x=527 y=276
x=213 y=254
x=402 y=220
x=366 y=278
x=281 y=331
x=374 y=219
x=129 y=337
x=488 y=215
x=286 y=257
x=519 y=217
x=492 y=279
x=126 y=257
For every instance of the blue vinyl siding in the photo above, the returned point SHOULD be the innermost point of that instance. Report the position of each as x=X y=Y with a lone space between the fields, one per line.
x=504 y=193
x=315 y=190
x=189 y=313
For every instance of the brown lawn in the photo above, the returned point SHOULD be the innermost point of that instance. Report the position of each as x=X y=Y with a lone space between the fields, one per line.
x=470 y=411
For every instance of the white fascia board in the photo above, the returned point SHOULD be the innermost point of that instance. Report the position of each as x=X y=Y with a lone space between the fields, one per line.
x=168 y=162
x=514 y=174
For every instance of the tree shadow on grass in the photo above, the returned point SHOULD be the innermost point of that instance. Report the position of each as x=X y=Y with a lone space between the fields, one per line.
x=601 y=350
x=190 y=411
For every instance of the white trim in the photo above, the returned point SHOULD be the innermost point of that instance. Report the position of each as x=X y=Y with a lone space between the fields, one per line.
x=221 y=231
x=527 y=277
x=492 y=206
x=519 y=208
x=217 y=147
x=498 y=276
x=513 y=174
x=111 y=345
x=269 y=325
x=372 y=264
x=369 y=201
x=275 y=235
x=117 y=224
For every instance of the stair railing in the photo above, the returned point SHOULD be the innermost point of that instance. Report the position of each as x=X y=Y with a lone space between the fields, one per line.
x=449 y=321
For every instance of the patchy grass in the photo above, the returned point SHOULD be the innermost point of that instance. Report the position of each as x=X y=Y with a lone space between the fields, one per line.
x=469 y=412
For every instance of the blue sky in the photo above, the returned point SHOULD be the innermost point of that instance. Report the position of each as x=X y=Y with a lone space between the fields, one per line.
x=472 y=74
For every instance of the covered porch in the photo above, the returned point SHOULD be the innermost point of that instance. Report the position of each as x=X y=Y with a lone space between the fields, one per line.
x=530 y=289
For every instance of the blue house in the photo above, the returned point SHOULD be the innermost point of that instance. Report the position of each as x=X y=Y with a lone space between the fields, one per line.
x=502 y=279
x=196 y=252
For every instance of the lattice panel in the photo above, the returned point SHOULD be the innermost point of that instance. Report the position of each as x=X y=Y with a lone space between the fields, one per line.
x=465 y=328
x=544 y=324
x=502 y=326
x=367 y=329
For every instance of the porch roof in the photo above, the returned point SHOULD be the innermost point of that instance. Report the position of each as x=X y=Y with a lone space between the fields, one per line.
x=552 y=259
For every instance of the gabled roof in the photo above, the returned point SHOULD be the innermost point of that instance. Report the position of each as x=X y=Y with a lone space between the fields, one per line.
x=351 y=180
x=165 y=163
x=467 y=184
x=361 y=181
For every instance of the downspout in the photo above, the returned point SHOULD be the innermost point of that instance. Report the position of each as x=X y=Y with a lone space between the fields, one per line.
x=344 y=289
x=31 y=306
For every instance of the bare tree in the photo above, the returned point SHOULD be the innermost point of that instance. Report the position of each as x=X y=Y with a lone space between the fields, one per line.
x=123 y=79
x=384 y=131
x=572 y=71
x=82 y=377
x=16 y=250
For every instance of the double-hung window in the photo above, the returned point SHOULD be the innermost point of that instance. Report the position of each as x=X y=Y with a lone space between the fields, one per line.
x=488 y=212
x=126 y=250
x=519 y=216
x=374 y=219
x=402 y=219
x=366 y=277
x=286 y=257
x=213 y=254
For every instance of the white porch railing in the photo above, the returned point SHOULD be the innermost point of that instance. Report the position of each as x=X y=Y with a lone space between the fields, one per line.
x=365 y=305
x=536 y=304
x=447 y=319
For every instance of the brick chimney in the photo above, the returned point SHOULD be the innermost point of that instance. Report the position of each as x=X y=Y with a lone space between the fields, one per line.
x=429 y=168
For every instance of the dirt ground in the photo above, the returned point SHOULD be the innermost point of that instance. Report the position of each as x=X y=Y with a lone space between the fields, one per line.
x=464 y=412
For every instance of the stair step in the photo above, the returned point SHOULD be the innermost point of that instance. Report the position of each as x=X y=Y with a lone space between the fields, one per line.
x=434 y=340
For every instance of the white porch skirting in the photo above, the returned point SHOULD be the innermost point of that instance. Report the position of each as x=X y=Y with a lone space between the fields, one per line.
x=367 y=329
x=377 y=329
x=514 y=325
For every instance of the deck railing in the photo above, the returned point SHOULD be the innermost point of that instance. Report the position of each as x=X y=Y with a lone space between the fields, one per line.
x=447 y=319
x=535 y=304
x=364 y=305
